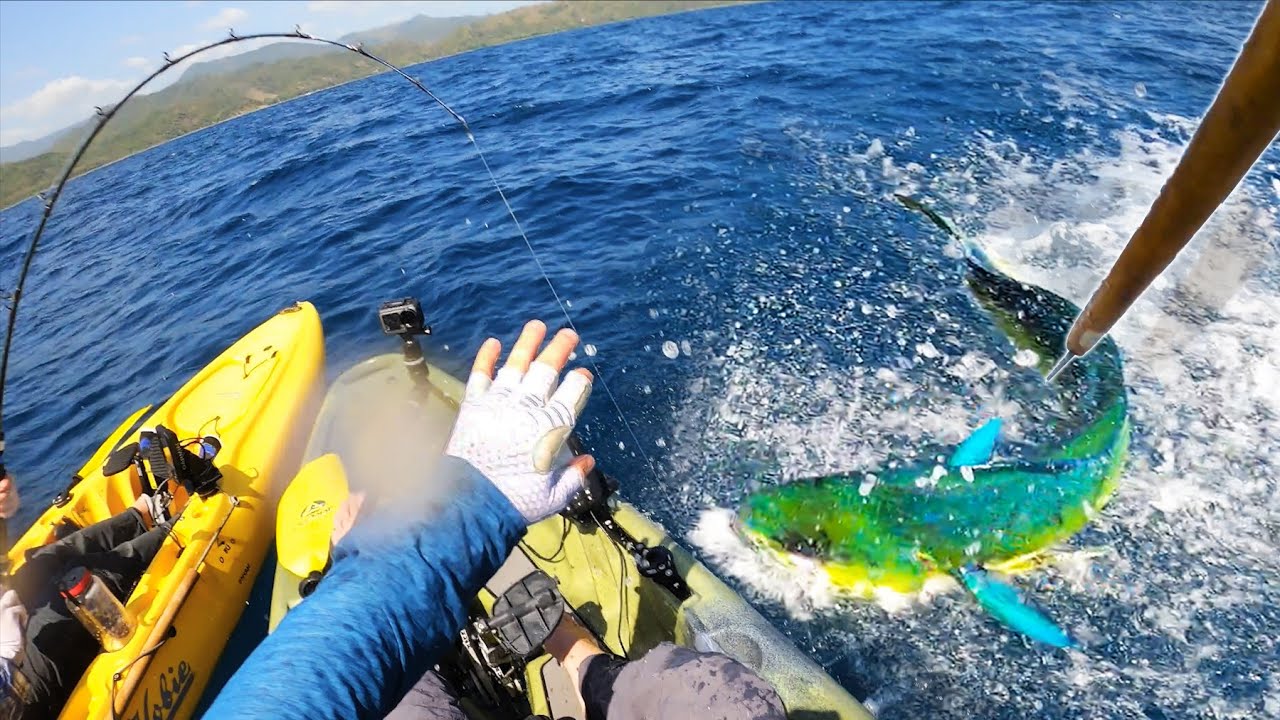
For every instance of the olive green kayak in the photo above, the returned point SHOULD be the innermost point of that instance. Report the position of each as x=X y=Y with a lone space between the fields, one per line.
x=386 y=426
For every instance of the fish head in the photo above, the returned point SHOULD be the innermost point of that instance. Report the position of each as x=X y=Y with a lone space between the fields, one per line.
x=843 y=525
x=784 y=519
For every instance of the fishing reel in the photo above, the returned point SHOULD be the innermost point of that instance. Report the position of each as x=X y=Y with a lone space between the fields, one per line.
x=596 y=490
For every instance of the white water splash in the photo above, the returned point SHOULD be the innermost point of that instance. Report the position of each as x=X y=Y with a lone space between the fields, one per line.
x=1189 y=573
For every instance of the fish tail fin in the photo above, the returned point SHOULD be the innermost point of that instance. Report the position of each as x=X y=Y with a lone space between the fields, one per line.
x=913 y=204
x=973 y=252
x=1003 y=602
x=975 y=255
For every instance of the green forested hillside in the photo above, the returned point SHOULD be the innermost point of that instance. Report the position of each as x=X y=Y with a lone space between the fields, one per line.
x=198 y=102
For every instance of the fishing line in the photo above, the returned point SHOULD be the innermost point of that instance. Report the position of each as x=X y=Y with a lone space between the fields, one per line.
x=563 y=308
x=104 y=115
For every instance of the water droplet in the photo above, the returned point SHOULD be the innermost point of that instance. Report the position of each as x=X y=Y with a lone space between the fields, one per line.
x=671 y=350
x=590 y=350
x=660 y=443
x=653 y=313
x=847 y=209
x=622 y=445
x=647 y=390
x=1140 y=89
x=1027 y=357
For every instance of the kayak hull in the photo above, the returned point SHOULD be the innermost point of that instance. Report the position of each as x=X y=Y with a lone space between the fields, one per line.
x=258 y=397
x=377 y=405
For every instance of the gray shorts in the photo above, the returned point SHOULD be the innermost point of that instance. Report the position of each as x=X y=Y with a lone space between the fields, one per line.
x=673 y=682
x=669 y=683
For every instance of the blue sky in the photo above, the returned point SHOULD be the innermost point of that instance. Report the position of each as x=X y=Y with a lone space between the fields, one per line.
x=60 y=59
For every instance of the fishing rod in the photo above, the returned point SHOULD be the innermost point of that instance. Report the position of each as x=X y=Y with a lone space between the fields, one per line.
x=104 y=115
x=1242 y=121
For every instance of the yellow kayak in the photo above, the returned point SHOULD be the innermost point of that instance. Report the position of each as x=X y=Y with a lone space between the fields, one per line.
x=259 y=397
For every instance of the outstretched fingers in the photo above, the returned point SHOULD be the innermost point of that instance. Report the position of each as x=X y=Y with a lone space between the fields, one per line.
x=557 y=352
x=571 y=479
x=526 y=345
x=482 y=369
x=573 y=393
x=487 y=357
x=541 y=379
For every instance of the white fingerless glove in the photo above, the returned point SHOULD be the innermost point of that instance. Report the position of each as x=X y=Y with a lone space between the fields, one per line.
x=513 y=429
x=13 y=623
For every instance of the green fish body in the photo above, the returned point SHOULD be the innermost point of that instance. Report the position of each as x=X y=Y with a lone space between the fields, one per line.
x=894 y=528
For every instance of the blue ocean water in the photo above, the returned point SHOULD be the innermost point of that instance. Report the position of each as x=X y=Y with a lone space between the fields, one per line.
x=717 y=187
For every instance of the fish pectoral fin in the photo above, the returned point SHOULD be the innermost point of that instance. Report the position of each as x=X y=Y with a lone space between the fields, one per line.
x=1006 y=604
x=1046 y=556
x=978 y=448
x=1025 y=563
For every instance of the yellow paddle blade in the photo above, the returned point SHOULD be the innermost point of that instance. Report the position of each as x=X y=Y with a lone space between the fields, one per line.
x=304 y=519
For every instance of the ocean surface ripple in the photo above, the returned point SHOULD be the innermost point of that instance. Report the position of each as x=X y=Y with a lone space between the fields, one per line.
x=718 y=186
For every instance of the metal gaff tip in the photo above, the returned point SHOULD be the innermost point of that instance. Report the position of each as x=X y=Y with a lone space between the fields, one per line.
x=1059 y=366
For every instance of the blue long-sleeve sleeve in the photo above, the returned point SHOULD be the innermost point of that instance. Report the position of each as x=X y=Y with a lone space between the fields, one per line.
x=386 y=612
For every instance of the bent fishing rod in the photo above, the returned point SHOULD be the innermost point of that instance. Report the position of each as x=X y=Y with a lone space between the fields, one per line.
x=104 y=115
x=1241 y=122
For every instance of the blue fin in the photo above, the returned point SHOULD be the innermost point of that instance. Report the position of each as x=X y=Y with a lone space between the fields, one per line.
x=1004 y=602
x=978 y=447
x=976 y=255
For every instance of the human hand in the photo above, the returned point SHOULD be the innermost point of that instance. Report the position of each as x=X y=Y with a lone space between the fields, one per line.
x=344 y=518
x=512 y=428
x=9 y=500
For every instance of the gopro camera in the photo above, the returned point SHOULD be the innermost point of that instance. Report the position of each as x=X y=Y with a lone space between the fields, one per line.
x=402 y=317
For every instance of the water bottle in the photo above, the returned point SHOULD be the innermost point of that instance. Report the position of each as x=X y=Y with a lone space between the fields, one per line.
x=96 y=607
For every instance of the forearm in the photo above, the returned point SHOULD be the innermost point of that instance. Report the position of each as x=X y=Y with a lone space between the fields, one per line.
x=389 y=608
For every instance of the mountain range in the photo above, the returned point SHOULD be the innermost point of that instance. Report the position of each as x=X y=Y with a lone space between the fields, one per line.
x=216 y=90
x=418 y=29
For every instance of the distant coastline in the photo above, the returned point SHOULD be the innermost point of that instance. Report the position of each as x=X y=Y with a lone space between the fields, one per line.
x=127 y=135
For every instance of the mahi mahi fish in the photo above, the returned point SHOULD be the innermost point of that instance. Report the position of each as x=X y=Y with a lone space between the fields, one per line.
x=894 y=527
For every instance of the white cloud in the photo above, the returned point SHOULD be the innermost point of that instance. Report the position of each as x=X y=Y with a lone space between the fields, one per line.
x=137 y=62
x=58 y=104
x=226 y=18
x=183 y=50
x=219 y=51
